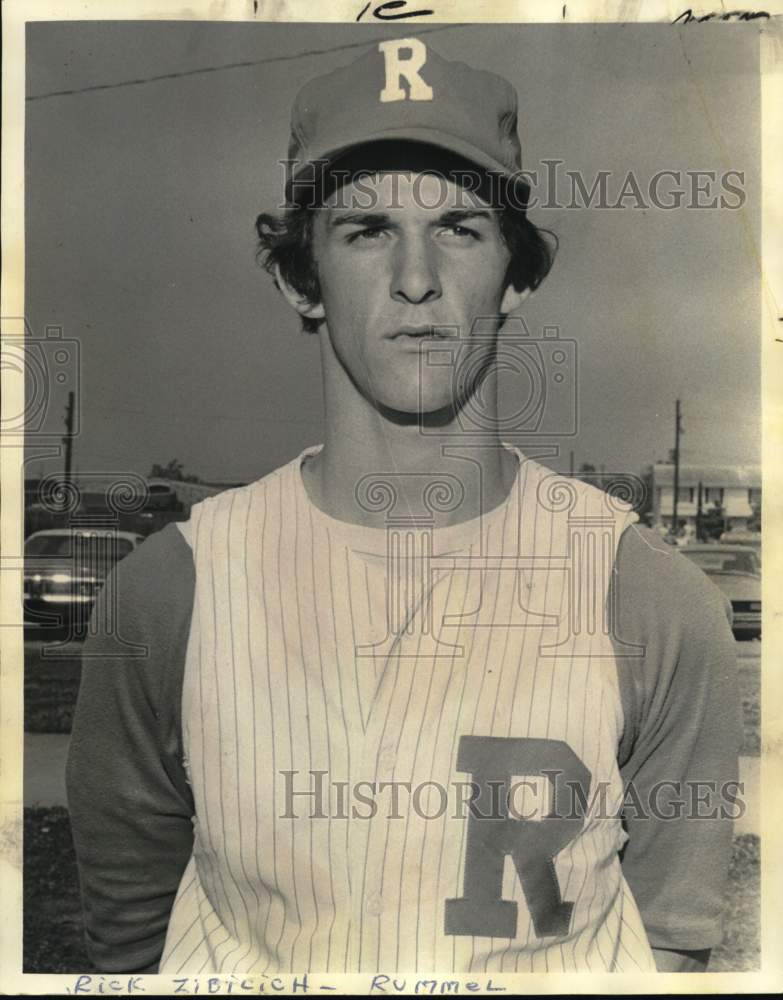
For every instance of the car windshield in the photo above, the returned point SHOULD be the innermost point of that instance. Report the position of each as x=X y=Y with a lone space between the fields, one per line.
x=82 y=548
x=716 y=561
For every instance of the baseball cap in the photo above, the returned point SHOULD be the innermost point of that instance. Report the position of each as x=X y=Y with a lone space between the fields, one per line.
x=403 y=90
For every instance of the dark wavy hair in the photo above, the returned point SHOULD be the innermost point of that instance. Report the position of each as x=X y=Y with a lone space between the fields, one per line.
x=285 y=241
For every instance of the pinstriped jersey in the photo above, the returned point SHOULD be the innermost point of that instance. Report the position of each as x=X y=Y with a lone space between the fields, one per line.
x=402 y=741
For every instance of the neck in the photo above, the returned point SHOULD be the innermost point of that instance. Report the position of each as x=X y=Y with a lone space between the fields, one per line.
x=370 y=457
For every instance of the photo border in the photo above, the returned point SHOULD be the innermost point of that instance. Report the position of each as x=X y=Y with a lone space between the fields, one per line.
x=15 y=15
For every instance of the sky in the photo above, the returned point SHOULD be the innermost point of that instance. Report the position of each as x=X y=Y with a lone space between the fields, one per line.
x=141 y=198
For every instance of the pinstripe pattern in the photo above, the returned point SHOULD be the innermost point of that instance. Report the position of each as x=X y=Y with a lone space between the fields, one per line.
x=273 y=683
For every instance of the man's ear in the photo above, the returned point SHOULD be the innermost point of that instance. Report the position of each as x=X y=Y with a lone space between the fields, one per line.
x=311 y=310
x=512 y=299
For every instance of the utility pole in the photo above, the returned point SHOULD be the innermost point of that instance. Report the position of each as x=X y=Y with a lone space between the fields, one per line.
x=698 y=512
x=677 y=432
x=68 y=439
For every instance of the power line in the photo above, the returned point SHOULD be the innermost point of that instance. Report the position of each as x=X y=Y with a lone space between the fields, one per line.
x=246 y=64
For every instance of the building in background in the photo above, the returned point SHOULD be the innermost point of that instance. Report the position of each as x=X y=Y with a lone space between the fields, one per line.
x=730 y=494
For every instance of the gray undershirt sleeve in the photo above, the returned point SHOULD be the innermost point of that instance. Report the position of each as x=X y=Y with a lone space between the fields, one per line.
x=683 y=732
x=129 y=802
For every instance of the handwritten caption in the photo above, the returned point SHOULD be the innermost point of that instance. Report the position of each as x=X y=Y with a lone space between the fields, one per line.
x=288 y=984
x=688 y=17
x=392 y=10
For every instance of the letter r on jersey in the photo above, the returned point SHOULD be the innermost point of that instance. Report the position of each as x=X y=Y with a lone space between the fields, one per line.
x=398 y=68
x=493 y=760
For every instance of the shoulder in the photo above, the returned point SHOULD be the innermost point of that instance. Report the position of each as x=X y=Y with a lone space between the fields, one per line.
x=561 y=494
x=160 y=569
x=148 y=597
x=672 y=638
x=644 y=548
x=657 y=584
x=139 y=629
x=213 y=509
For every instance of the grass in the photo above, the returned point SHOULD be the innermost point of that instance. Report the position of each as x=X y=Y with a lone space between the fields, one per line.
x=740 y=949
x=53 y=931
x=51 y=685
x=750 y=695
x=50 y=689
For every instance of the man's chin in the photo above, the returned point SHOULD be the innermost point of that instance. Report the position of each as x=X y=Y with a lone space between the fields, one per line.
x=403 y=413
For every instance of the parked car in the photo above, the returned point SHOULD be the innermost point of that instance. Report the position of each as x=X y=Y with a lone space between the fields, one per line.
x=750 y=538
x=65 y=568
x=162 y=496
x=736 y=569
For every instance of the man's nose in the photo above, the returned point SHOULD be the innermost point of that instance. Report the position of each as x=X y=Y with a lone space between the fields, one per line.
x=415 y=277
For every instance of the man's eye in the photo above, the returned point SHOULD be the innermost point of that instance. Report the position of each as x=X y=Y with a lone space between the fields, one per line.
x=367 y=235
x=462 y=231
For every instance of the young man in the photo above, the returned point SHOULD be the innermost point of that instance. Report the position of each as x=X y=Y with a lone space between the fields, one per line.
x=395 y=694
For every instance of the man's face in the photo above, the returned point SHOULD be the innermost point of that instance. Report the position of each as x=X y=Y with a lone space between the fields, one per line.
x=425 y=254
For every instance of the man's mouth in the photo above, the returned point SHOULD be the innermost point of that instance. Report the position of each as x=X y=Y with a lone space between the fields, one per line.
x=423 y=333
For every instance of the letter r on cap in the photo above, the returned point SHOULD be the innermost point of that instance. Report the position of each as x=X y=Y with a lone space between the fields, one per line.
x=397 y=68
